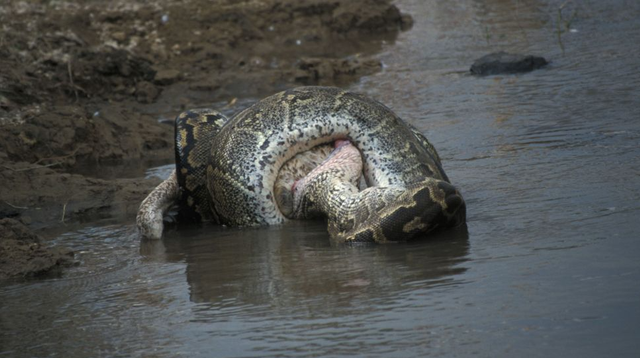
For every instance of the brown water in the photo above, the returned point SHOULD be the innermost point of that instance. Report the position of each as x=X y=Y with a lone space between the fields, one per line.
x=549 y=264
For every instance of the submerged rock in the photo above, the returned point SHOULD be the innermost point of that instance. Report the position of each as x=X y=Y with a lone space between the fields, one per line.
x=505 y=63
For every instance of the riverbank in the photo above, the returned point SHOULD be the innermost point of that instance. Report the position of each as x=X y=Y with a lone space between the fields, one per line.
x=87 y=84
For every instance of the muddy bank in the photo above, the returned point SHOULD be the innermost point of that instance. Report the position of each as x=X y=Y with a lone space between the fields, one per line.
x=51 y=197
x=22 y=252
x=86 y=83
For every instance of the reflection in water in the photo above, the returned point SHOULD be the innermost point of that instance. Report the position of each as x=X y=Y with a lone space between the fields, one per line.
x=273 y=291
x=288 y=266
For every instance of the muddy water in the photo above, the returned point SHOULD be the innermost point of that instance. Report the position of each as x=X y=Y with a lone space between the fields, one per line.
x=547 y=266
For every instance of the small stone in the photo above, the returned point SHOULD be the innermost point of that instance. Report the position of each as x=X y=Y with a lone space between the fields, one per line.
x=506 y=63
x=257 y=62
x=119 y=36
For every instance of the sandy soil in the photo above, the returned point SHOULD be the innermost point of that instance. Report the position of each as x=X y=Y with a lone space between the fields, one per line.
x=84 y=82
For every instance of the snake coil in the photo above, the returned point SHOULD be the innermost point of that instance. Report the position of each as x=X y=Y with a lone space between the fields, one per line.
x=227 y=170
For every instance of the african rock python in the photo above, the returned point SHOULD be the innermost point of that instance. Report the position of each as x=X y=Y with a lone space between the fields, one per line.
x=229 y=171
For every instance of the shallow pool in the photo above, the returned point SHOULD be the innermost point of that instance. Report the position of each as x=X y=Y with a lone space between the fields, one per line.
x=548 y=265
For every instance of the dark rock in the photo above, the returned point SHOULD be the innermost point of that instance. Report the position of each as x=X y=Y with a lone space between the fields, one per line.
x=505 y=63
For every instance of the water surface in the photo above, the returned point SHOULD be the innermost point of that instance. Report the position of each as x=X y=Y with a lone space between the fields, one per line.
x=548 y=264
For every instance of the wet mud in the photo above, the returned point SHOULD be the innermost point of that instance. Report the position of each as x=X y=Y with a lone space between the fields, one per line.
x=22 y=252
x=85 y=83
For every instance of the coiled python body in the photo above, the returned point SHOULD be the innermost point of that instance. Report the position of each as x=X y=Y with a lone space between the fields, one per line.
x=407 y=190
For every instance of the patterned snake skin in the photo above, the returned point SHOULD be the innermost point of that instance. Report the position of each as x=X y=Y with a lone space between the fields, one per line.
x=229 y=171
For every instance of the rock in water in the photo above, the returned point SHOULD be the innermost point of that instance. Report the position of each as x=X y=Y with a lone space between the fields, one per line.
x=504 y=63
